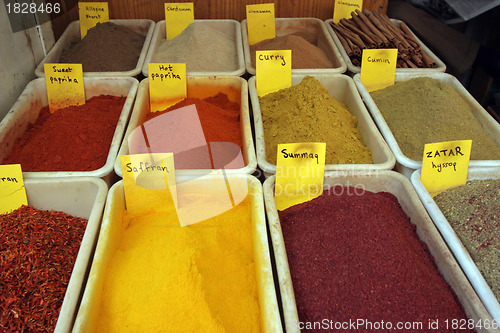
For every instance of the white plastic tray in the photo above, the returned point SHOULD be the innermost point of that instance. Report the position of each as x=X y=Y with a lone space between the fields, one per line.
x=229 y=27
x=286 y=26
x=459 y=251
x=78 y=196
x=72 y=34
x=387 y=181
x=440 y=66
x=110 y=235
x=34 y=98
x=200 y=87
x=342 y=88
x=404 y=164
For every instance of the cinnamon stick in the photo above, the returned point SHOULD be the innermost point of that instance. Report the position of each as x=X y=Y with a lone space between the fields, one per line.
x=346 y=46
x=350 y=25
x=370 y=25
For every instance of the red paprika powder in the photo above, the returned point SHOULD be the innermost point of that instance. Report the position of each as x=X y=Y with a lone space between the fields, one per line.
x=358 y=257
x=76 y=138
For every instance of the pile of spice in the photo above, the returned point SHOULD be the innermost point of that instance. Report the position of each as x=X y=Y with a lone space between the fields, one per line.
x=425 y=110
x=220 y=121
x=202 y=48
x=473 y=211
x=373 y=30
x=76 y=138
x=107 y=47
x=304 y=53
x=308 y=113
x=37 y=252
x=168 y=278
x=355 y=257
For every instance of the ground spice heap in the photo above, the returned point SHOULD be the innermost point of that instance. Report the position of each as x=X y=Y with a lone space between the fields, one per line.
x=107 y=47
x=202 y=48
x=425 y=110
x=473 y=211
x=307 y=113
x=37 y=253
x=304 y=53
x=208 y=283
x=356 y=256
x=76 y=138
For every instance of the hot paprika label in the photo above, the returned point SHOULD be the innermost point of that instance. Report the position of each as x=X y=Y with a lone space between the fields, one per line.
x=167 y=85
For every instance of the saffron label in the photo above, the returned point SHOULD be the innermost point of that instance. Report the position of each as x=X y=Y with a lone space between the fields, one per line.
x=260 y=22
x=378 y=68
x=177 y=17
x=91 y=13
x=445 y=165
x=64 y=85
x=167 y=85
x=273 y=71
x=149 y=181
x=300 y=172
x=342 y=9
x=12 y=191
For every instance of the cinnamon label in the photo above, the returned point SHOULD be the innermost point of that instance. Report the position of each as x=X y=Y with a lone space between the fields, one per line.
x=260 y=22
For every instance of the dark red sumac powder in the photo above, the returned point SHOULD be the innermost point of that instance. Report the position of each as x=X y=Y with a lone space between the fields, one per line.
x=358 y=257
x=76 y=138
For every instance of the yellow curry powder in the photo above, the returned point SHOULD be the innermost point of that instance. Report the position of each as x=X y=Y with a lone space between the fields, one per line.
x=167 y=278
x=308 y=113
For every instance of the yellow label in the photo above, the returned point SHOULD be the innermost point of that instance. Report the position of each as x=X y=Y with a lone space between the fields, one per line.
x=149 y=182
x=445 y=165
x=260 y=22
x=64 y=85
x=12 y=191
x=177 y=17
x=167 y=85
x=90 y=14
x=378 y=68
x=300 y=172
x=273 y=70
x=344 y=8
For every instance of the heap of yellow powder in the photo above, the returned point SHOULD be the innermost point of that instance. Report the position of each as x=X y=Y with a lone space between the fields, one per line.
x=308 y=113
x=167 y=278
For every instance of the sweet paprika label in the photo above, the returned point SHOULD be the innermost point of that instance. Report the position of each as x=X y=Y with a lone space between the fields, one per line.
x=445 y=165
x=300 y=172
x=149 y=181
x=12 y=191
x=177 y=17
x=167 y=85
x=343 y=8
x=91 y=13
x=65 y=85
x=260 y=22
x=273 y=71
x=378 y=68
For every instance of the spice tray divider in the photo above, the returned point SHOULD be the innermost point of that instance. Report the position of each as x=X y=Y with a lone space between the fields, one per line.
x=376 y=181
x=457 y=248
x=201 y=87
x=72 y=35
x=78 y=196
x=109 y=239
x=34 y=97
x=342 y=88
x=286 y=26
x=229 y=27
x=351 y=69
x=404 y=164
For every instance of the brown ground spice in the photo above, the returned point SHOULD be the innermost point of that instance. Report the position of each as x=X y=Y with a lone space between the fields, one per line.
x=107 y=47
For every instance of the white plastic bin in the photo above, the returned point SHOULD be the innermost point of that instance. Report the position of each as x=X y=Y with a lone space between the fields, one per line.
x=342 y=88
x=229 y=27
x=286 y=26
x=459 y=251
x=34 y=98
x=404 y=164
x=378 y=181
x=72 y=34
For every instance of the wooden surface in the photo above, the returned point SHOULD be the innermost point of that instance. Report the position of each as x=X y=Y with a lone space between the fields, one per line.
x=209 y=9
